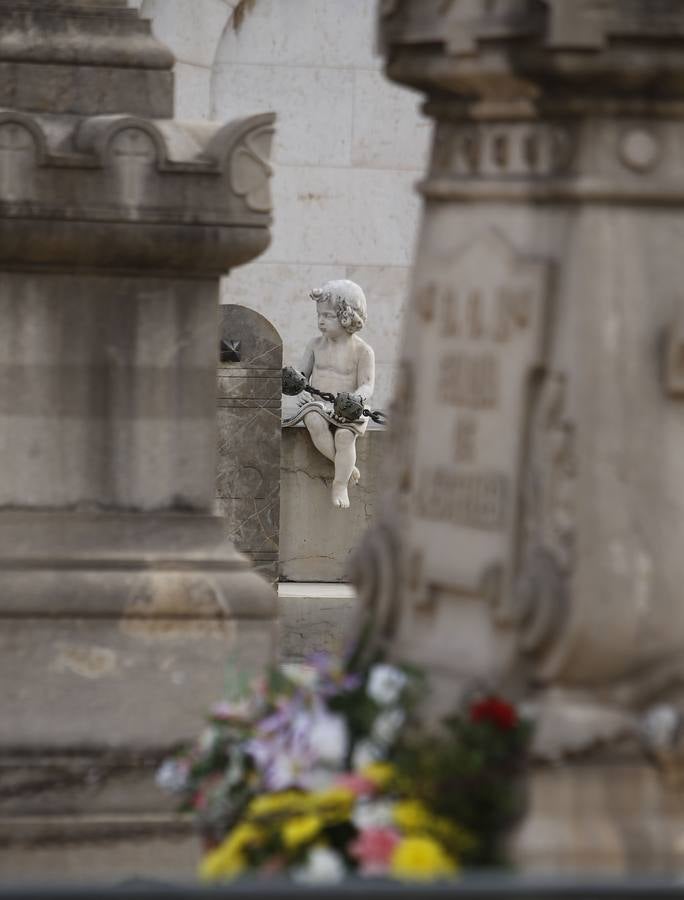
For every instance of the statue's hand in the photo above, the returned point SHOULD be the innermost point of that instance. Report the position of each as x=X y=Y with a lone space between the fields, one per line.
x=348 y=406
x=294 y=382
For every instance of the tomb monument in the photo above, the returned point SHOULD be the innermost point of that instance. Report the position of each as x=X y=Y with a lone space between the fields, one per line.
x=120 y=597
x=532 y=537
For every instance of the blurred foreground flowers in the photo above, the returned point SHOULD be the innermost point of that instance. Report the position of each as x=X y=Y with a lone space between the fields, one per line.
x=323 y=771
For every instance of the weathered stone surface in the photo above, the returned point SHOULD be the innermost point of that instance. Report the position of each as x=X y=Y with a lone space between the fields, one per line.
x=120 y=598
x=83 y=59
x=154 y=847
x=314 y=618
x=249 y=430
x=535 y=522
x=316 y=540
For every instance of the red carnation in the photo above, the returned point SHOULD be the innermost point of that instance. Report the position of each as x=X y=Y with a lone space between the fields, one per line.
x=495 y=710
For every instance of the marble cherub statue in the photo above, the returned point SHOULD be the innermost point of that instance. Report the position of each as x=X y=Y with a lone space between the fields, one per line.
x=338 y=361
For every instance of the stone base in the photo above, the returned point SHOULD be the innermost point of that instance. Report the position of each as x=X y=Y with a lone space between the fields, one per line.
x=115 y=635
x=109 y=849
x=314 y=618
x=317 y=539
x=601 y=817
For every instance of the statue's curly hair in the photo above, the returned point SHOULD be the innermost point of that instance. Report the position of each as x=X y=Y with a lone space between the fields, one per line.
x=348 y=300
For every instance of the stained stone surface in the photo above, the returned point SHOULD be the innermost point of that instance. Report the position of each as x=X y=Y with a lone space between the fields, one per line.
x=120 y=598
x=315 y=617
x=249 y=434
x=532 y=542
x=316 y=539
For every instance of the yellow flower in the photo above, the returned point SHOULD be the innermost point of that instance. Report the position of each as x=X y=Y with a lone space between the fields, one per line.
x=227 y=860
x=379 y=773
x=333 y=803
x=221 y=864
x=419 y=858
x=412 y=815
x=282 y=802
x=457 y=839
x=301 y=829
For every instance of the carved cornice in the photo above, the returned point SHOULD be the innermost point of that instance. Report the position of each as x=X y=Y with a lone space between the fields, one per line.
x=70 y=182
x=570 y=54
x=82 y=58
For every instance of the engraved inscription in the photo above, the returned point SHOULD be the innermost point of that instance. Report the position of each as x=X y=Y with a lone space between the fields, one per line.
x=477 y=500
x=486 y=318
x=469 y=380
x=465 y=436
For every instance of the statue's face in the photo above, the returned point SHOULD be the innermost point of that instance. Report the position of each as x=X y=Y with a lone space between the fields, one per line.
x=328 y=323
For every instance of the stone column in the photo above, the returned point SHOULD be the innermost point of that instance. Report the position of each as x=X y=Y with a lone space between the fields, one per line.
x=120 y=598
x=539 y=468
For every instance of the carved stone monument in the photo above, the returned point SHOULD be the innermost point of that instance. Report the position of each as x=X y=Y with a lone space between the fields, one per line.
x=249 y=432
x=120 y=598
x=538 y=468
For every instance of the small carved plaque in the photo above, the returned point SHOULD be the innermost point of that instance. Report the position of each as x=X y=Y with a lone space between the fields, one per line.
x=485 y=326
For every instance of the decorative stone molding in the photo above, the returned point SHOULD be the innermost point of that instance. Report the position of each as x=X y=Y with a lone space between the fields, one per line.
x=120 y=596
x=559 y=127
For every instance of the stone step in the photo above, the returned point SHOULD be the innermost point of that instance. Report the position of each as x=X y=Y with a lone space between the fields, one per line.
x=314 y=617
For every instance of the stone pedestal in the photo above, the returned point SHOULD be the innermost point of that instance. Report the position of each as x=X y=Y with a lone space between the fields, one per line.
x=249 y=435
x=538 y=473
x=120 y=598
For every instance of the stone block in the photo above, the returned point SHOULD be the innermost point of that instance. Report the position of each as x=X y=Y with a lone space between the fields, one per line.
x=249 y=430
x=100 y=849
x=304 y=32
x=192 y=29
x=89 y=413
x=389 y=130
x=316 y=538
x=193 y=91
x=386 y=288
x=314 y=618
x=318 y=205
x=314 y=108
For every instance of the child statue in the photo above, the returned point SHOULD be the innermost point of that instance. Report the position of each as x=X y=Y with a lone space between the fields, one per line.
x=338 y=361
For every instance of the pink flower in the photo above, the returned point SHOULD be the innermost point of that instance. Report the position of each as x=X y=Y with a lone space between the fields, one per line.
x=374 y=848
x=358 y=784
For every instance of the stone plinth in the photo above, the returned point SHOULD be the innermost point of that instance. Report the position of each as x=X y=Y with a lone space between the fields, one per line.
x=538 y=472
x=249 y=430
x=120 y=598
x=316 y=539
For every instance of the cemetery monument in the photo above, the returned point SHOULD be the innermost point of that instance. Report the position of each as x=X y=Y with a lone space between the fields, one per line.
x=533 y=537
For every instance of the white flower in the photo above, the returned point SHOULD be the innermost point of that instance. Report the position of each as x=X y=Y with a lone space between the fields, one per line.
x=207 y=740
x=385 y=684
x=365 y=753
x=322 y=866
x=236 y=770
x=387 y=726
x=329 y=738
x=301 y=674
x=172 y=776
x=373 y=814
x=316 y=779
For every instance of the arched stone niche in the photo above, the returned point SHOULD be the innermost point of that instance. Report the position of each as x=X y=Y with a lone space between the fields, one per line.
x=193 y=30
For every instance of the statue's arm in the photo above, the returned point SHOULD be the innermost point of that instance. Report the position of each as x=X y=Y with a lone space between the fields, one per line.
x=366 y=372
x=308 y=360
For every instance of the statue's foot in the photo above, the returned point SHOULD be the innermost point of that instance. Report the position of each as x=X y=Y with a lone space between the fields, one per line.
x=340 y=497
x=355 y=476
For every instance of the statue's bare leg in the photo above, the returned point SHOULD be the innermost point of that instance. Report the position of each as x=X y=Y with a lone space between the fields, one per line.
x=324 y=442
x=345 y=457
x=320 y=435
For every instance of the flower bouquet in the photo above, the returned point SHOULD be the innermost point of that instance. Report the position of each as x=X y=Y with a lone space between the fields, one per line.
x=318 y=772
